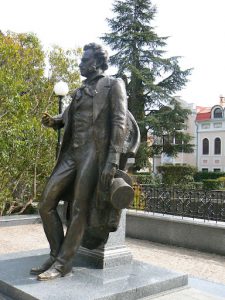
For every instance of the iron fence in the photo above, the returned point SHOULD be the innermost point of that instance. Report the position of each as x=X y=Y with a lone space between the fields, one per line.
x=201 y=204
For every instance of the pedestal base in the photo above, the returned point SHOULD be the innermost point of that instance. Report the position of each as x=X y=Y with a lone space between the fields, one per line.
x=106 y=258
x=113 y=253
x=128 y=281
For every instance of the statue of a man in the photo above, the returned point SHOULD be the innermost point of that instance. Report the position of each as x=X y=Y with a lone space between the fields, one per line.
x=95 y=128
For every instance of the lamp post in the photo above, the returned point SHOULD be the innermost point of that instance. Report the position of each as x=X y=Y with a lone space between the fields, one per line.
x=61 y=89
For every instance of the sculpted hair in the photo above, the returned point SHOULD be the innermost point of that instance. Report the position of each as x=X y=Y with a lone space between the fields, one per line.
x=100 y=54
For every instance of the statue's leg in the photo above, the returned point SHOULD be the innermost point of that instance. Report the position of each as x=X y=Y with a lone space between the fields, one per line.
x=61 y=177
x=85 y=184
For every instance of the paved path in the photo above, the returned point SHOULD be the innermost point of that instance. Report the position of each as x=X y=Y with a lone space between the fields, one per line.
x=185 y=294
x=197 y=264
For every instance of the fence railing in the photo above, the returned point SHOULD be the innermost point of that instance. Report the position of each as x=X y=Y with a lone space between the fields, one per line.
x=201 y=204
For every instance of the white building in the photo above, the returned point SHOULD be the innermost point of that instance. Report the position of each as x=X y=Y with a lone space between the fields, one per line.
x=210 y=128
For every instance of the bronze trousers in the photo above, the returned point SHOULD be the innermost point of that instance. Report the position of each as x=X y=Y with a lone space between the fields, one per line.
x=77 y=168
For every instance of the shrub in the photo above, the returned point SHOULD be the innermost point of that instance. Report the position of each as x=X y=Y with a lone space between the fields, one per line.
x=197 y=185
x=211 y=184
x=200 y=176
x=176 y=174
x=139 y=198
x=143 y=178
x=222 y=181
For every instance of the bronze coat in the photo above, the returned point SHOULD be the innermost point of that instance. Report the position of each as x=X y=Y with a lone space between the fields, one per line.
x=117 y=137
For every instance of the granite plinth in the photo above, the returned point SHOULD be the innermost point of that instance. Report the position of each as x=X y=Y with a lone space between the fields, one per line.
x=130 y=281
x=113 y=253
x=106 y=258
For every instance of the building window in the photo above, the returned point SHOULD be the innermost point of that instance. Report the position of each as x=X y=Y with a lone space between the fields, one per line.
x=205 y=170
x=218 y=114
x=205 y=146
x=205 y=126
x=216 y=170
x=217 y=146
x=217 y=125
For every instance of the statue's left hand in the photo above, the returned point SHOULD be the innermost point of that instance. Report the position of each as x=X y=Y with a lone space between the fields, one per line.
x=108 y=175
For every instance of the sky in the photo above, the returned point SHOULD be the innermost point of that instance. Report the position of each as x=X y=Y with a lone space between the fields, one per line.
x=195 y=28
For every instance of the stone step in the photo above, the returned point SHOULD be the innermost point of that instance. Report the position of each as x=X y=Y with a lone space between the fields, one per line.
x=4 y=297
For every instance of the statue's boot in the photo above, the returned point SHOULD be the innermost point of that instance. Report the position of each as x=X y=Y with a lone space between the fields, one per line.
x=55 y=271
x=44 y=267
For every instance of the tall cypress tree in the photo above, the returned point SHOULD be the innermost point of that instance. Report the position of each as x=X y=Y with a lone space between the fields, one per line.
x=151 y=78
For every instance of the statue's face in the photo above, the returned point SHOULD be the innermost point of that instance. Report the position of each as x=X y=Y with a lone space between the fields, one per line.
x=88 y=63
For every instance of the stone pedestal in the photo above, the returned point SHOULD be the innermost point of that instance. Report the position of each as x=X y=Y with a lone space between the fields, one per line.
x=107 y=273
x=114 y=253
x=126 y=282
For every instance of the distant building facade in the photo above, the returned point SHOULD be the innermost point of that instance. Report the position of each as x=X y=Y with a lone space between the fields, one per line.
x=207 y=127
x=210 y=130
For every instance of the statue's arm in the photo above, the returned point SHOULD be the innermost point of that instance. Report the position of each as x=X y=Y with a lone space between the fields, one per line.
x=58 y=122
x=118 y=112
x=118 y=117
x=55 y=122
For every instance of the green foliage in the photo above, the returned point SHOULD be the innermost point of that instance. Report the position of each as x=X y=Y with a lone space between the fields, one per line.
x=178 y=175
x=139 y=202
x=151 y=79
x=143 y=178
x=168 y=123
x=211 y=184
x=197 y=185
x=141 y=159
x=146 y=178
x=222 y=181
x=200 y=176
x=27 y=151
x=64 y=65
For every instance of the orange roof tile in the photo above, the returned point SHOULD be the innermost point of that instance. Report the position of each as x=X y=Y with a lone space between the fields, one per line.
x=203 y=113
x=202 y=109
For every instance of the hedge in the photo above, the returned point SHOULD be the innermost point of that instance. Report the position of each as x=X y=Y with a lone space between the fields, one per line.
x=211 y=184
x=176 y=174
x=143 y=178
x=200 y=176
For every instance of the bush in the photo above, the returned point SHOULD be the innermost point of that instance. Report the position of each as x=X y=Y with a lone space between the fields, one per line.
x=177 y=174
x=222 y=182
x=139 y=198
x=197 y=185
x=211 y=184
x=200 y=176
x=143 y=178
x=147 y=178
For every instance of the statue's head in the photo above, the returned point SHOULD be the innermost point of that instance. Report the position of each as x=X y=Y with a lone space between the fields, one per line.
x=94 y=58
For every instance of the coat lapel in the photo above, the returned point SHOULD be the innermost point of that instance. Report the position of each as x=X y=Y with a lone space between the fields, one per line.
x=101 y=97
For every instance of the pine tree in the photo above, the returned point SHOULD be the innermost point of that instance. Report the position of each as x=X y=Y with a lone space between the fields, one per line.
x=151 y=78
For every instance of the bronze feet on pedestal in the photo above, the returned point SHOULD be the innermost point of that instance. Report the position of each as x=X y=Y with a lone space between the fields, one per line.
x=44 y=267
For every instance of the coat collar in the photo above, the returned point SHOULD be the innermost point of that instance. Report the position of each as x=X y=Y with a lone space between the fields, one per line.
x=87 y=88
x=99 y=96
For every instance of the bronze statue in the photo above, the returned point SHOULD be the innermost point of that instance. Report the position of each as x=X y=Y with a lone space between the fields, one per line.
x=99 y=135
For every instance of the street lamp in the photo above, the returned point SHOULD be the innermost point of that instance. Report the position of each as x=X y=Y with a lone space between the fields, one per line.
x=61 y=89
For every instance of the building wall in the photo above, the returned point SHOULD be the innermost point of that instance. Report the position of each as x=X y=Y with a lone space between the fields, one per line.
x=211 y=129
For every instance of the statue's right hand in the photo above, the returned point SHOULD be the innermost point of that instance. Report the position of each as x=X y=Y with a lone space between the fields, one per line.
x=47 y=120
